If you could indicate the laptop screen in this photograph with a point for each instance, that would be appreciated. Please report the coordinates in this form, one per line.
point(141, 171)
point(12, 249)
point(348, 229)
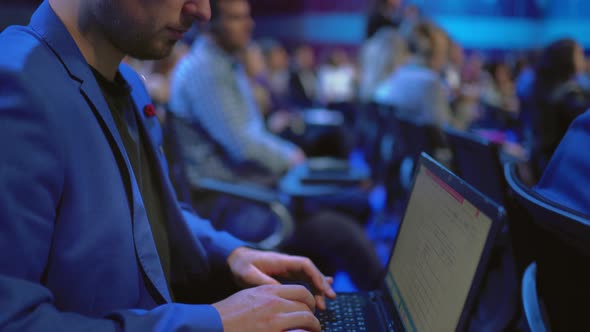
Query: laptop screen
point(436, 255)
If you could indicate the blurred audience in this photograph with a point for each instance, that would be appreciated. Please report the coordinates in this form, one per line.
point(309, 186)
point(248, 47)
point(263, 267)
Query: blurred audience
point(583, 78)
point(277, 63)
point(524, 84)
point(416, 89)
point(255, 67)
point(337, 79)
point(221, 101)
point(380, 55)
point(499, 91)
point(222, 136)
point(279, 118)
point(499, 102)
point(452, 71)
point(303, 78)
point(559, 97)
point(243, 115)
point(464, 100)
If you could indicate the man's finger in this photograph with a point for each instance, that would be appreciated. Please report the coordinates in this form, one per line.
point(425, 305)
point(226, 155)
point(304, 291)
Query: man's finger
point(255, 277)
point(317, 278)
point(320, 302)
point(303, 320)
point(297, 293)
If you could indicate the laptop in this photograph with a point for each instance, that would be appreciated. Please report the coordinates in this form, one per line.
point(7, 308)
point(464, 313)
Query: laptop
point(436, 265)
point(332, 171)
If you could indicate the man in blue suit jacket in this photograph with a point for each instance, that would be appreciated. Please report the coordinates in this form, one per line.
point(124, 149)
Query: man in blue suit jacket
point(78, 251)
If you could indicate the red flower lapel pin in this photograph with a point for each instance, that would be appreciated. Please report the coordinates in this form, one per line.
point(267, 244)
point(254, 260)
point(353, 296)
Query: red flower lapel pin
point(149, 110)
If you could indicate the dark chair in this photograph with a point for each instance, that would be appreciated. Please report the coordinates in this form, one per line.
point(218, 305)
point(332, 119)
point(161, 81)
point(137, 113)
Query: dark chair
point(477, 161)
point(368, 134)
point(531, 302)
point(253, 194)
point(412, 138)
point(383, 147)
point(418, 137)
point(557, 239)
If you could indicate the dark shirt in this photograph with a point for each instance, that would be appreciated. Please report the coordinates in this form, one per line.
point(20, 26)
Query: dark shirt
point(118, 97)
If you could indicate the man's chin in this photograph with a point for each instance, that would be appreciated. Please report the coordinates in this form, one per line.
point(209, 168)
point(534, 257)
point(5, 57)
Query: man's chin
point(154, 53)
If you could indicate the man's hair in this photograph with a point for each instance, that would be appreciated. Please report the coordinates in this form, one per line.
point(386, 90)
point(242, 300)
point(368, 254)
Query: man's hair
point(556, 64)
point(215, 11)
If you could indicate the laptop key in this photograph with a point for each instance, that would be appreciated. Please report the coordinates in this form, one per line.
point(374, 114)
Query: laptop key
point(344, 314)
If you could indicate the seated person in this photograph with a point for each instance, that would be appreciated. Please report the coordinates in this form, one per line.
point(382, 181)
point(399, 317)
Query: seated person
point(379, 56)
point(91, 235)
point(281, 116)
point(336, 80)
point(416, 89)
point(222, 136)
point(557, 98)
point(566, 182)
point(498, 99)
point(303, 78)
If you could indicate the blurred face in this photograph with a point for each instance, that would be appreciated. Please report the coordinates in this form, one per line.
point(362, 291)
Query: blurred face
point(441, 51)
point(145, 29)
point(502, 75)
point(456, 55)
point(278, 59)
point(579, 60)
point(305, 57)
point(236, 25)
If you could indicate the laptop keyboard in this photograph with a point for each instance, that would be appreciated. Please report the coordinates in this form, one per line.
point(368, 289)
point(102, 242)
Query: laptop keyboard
point(344, 314)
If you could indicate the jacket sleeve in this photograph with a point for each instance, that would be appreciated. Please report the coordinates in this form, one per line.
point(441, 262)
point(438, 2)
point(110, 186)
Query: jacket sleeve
point(32, 182)
point(219, 245)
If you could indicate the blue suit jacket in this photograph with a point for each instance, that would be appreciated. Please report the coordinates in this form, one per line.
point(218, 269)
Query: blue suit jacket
point(566, 179)
point(76, 249)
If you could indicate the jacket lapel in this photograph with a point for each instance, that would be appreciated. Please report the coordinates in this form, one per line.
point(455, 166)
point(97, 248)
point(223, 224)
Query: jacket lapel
point(48, 25)
point(184, 241)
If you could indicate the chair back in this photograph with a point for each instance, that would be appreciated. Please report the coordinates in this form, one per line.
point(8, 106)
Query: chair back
point(378, 133)
point(418, 137)
point(477, 161)
point(557, 238)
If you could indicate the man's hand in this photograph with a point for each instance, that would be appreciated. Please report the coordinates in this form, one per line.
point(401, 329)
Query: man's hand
point(297, 157)
point(255, 268)
point(273, 308)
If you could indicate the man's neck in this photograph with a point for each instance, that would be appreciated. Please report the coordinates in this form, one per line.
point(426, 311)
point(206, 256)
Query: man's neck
point(94, 46)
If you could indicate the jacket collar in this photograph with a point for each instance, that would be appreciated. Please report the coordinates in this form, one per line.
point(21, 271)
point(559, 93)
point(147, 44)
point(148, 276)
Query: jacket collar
point(48, 25)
